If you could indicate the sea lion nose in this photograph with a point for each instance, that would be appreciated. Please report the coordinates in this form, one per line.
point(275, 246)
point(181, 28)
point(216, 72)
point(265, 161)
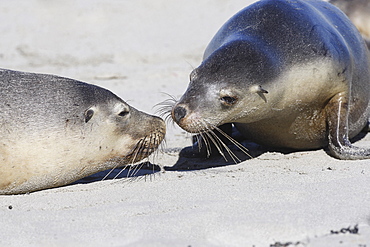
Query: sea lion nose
point(178, 113)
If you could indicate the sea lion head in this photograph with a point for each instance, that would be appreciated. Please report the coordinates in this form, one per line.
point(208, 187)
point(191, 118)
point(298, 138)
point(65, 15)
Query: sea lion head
point(122, 133)
point(230, 85)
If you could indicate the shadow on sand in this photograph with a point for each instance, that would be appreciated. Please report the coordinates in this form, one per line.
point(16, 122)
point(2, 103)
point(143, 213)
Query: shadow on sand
point(139, 170)
point(186, 163)
point(192, 163)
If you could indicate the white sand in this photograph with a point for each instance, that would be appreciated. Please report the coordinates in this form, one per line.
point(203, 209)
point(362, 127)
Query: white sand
point(139, 49)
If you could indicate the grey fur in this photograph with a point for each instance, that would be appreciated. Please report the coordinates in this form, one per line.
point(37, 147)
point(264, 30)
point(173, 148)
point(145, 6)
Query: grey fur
point(56, 130)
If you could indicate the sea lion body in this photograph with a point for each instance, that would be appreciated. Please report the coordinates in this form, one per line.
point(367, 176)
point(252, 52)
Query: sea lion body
point(288, 74)
point(56, 130)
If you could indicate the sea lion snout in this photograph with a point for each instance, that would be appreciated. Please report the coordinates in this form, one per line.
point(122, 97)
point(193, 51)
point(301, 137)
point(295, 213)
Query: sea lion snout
point(188, 119)
point(178, 113)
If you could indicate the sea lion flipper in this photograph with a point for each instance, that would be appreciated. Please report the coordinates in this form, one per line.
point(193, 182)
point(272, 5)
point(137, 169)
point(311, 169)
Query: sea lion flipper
point(337, 120)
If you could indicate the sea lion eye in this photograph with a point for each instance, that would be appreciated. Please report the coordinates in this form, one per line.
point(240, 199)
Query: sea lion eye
point(228, 100)
point(123, 113)
point(88, 115)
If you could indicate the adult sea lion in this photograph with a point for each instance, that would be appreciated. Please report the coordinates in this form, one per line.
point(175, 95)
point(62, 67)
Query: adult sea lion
point(288, 74)
point(56, 130)
point(358, 12)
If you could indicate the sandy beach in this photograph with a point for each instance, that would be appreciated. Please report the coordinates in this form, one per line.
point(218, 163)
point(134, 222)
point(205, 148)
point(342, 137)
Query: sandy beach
point(143, 50)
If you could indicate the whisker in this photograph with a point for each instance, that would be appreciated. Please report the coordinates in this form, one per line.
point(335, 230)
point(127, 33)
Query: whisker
point(228, 150)
point(199, 140)
point(167, 102)
point(154, 157)
point(133, 169)
point(163, 146)
point(215, 141)
point(208, 139)
point(124, 167)
point(165, 108)
point(192, 67)
point(136, 169)
point(135, 153)
point(168, 119)
point(233, 141)
point(148, 147)
point(207, 136)
point(110, 171)
point(156, 151)
point(203, 137)
point(151, 145)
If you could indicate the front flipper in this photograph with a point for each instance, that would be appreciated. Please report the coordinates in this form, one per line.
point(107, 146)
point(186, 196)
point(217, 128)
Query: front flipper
point(337, 112)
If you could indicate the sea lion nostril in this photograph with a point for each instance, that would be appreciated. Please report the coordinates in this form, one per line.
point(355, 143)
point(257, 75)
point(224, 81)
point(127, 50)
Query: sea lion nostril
point(179, 113)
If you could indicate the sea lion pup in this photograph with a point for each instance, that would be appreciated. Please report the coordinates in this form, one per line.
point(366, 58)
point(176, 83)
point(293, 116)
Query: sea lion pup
point(358, 12)
point(55, 131)
point(287, 74)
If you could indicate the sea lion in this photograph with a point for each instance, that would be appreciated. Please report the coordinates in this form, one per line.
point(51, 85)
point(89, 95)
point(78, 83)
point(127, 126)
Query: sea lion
point(358, 12)
point(56, 130)
point(287, 74)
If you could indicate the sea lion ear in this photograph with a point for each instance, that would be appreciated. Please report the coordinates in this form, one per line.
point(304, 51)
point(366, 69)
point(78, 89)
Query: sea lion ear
point(88, 115)
point(257, 89)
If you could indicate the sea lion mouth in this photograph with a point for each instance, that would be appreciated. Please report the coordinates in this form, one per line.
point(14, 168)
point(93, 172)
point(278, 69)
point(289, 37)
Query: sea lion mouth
point(144, 147)
point(194, 123)
point(198, 127)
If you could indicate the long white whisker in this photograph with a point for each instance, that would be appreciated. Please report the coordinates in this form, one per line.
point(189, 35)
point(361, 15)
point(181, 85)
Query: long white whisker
point(206, 137)
point(110, 171)
point(137, 169)
point(228, 150)
point(133, 169)
point(135, 154)
point(148, 146)
point(215, 141)
point(165, 108)
point(233, 141)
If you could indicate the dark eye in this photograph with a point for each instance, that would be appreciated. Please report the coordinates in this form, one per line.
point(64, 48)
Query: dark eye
point(88, 115)
point(228, 100)
point(123, 113)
